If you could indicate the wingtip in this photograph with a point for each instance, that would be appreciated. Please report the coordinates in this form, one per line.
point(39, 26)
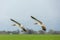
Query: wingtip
point(11, 19)
point(32, 17)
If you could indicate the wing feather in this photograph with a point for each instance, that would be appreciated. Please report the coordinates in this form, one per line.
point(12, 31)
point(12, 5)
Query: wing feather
point(15, 21)
point(36, 20)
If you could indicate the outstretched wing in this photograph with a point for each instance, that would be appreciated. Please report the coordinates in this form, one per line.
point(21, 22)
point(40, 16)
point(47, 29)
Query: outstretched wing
point(20, 25)
point(15, 21)
point(40, 23)
point(36, 20)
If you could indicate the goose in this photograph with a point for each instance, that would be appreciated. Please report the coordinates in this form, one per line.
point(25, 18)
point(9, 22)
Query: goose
point(39, 23)
point(18, 24)
point(25, 31)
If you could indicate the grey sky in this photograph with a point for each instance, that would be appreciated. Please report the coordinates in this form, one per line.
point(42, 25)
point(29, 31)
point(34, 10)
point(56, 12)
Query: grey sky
point(48, 11)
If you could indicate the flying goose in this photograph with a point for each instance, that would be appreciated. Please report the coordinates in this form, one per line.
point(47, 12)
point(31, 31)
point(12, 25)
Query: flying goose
point(18, 24)
point(39, 23)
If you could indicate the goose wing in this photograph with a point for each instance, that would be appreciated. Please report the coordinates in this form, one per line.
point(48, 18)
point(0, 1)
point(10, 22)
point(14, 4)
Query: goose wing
point(36, 20)
point(15, 21)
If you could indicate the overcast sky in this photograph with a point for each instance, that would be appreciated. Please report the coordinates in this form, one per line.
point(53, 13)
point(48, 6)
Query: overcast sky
point(48, 11)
